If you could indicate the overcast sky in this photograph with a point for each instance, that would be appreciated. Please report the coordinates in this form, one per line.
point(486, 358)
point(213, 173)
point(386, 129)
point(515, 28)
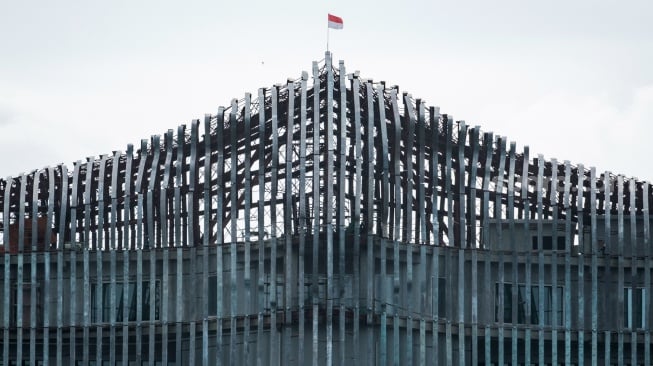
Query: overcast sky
point(572, 79)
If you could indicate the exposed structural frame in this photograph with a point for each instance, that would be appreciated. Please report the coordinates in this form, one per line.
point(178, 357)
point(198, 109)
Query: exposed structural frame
point(345, 161)
point(190, 188)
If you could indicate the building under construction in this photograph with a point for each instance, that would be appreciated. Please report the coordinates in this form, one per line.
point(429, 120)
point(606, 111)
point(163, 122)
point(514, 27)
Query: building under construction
point(330, 220)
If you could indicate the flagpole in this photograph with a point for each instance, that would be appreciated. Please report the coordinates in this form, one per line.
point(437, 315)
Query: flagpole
point(327, 38)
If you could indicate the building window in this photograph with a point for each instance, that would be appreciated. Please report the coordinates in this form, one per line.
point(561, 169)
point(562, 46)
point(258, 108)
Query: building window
point(547, 242)
point(130, 314)
point(634, 305)
point(319, 293)
point(212, 296)
point(546, 313)
point(273, 299)
point(442, 299)
point(27, 302)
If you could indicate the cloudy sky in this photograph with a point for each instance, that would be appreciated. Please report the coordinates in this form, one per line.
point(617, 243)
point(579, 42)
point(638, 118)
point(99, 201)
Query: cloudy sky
point(572, 79)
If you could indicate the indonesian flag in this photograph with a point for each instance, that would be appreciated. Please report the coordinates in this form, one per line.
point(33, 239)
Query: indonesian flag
point(335, 22)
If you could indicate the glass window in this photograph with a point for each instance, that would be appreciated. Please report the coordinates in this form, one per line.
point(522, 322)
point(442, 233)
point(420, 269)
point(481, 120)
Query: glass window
point(547, 242)
point(546, 313)
point(273, 299)
point(212, 295)
point(121, 290)
point(27, 303)
point(634, 301)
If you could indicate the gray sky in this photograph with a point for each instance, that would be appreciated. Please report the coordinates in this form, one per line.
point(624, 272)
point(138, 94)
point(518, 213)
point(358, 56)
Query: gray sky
point(571, 79)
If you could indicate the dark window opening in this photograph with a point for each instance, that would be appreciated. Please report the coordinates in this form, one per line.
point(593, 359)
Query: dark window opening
point(547, 242)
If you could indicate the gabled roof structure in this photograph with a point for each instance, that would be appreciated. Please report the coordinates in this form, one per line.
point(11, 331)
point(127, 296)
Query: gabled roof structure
point(324, 151)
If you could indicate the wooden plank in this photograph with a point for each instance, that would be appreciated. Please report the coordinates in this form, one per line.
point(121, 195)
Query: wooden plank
point(566, 296)
point(526, 214)
point(275, 343)
point(249, 299)
point(7, 271)
point(301, 267)
point(233, 249)
point(396, 235)
point(219, 239)
point(594, 267)
point(368, 194)
point(358, 186)
point(341, 186)
point(328, 206)
point(553, 198)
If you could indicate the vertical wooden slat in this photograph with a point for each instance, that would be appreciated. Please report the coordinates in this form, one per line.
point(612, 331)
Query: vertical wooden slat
point(139, 254)
point(555, 207)
point(33, 279)
point(247, 120)
point(20, 280)
point(358, 154)
point(151, 243)
point(647, 272)
point(488, 285)
point(32, 275)
point(127, 244)
point(342, 179)
point(594, 269)
point(261, 224)
point(87, 245)
point(500, 146)
point(473, 243)
point(462, 242)
point(316, 210)
point(408, 212)
point(434, 122)
point(328, 206)
point(396, 235)
point(634, 284)
point(580, 204)
point(74, 202)
point(514, 266)
point(368, 193)
point(301, 269)
point(193, 197)
point(62, 229)
point(421, 202)
point(567, 312)
point(164, 219)
point(609, 248)
point(381, 222)
point(113, 235)
point(219, 242)
point(47, 310)
point(178, 240)
point(233, 249)
point(448, 176)
point(274, 305)
point(448, 162)
point(7, 271)
point(526, 214)
point(540, 258)
point(289, 277)
point(621, 322)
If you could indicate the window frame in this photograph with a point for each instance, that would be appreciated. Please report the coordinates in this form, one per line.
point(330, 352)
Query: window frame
point(38, 302)
point(628, 307)
point(103, 315)
point(545, 315)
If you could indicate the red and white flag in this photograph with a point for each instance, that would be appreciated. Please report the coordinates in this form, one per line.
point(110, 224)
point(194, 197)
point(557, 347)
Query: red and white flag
point(335, 22)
